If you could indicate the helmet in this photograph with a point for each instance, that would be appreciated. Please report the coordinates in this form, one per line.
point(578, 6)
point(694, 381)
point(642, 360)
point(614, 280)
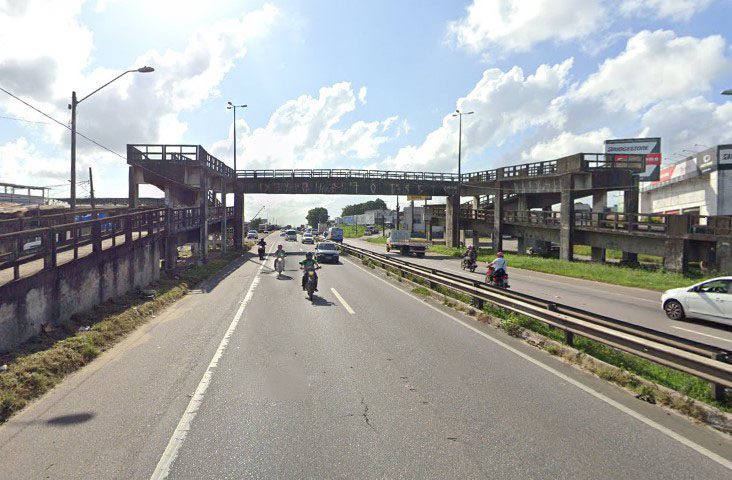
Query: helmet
point(279, 247)
point(499, 254)
point(309, 255)
point(470, 247)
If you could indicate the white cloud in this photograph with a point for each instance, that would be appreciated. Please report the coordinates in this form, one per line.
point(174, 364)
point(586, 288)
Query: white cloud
point(671, 9)
point(516, 25)
point(505, 104)
point(655, 66)
point(305, 132)
point(567, 143)
point(362, 95)
point(682, 124)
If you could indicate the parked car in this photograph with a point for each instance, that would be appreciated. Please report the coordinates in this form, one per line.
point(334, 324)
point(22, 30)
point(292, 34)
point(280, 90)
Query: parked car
point(327, 252)
point(307, 238)
point(291, 235)
point(544, 249)
point(709, 300)
point(368, 231)
point(252, 235)
point(283, 233)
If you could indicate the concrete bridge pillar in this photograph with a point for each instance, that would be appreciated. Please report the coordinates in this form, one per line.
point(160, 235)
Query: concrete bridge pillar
point(134, 188)
point(238, 217)
point(476, 239)
point(452, 212)
point(566, 219)
point(476, 202)
point(599, 202)
point(676, 256)
point(203, 203)
point(498, 219)
point(224, 219)
point(630, 204)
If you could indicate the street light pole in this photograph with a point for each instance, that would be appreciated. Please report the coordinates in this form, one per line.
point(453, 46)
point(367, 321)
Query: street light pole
point(727, 92)
point(233, 107)
point(460, 114)
point(72, 107)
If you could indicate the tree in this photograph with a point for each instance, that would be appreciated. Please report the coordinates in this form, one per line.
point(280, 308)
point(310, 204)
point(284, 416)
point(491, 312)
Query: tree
point(361, 208)
point(256, 223)
point(317, 215)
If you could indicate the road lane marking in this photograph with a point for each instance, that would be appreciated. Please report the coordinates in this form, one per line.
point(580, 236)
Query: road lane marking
point(343, 302)
point(705, 334)
point(184, 425)
point(628, 411)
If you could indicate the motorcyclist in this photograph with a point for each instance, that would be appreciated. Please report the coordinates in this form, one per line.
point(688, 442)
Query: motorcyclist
point(280, 255)
point(499, 266)
point(309, 264)
point(262, 243)
point(472, 254)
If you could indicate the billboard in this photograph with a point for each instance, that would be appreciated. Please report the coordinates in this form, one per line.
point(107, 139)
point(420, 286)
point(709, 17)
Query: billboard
point(650, 147)
point(725, 157)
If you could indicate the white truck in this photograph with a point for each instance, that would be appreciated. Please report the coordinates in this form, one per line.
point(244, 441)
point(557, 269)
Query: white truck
point(401, 240)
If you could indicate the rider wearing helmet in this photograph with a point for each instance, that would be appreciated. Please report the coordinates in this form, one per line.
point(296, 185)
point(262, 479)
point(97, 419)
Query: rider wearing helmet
point(280, 255)
point(499, 265)
point(309, 264)
point(471, 253)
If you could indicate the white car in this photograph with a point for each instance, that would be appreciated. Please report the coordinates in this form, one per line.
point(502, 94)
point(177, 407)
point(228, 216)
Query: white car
point(709, 300)
point(291, 235)
point(252, 235)
point(307, 238)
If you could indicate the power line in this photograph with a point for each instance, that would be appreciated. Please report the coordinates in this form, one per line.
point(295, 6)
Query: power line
point(24, 120)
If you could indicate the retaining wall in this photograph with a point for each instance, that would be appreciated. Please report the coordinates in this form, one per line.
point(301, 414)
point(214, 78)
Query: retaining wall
point(53, 296)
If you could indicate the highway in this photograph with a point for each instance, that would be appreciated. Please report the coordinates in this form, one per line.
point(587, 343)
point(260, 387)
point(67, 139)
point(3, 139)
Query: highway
point(245, 378)
point(636, 305)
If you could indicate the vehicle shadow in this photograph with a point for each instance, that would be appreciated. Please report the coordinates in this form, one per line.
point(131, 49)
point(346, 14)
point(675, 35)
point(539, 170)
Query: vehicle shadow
point(321, 302)
point(283, 277)
point(709, 324)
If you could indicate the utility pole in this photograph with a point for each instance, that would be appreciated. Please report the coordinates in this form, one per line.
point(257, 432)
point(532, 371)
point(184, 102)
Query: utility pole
point(396, 225)
point(74, 102)
point(411, 223)
point(459, 114)
point(91, 189)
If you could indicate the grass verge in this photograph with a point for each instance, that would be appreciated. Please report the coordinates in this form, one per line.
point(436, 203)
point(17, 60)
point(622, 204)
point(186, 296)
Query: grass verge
point(381, 240)
point(659, 280)
point(41, 363)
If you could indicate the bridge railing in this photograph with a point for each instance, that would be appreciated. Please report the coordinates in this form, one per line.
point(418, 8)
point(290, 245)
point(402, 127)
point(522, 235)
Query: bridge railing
point(346, 174)
point(25, 246)
point(178, 153)
point(602, 161)
point(40, 221)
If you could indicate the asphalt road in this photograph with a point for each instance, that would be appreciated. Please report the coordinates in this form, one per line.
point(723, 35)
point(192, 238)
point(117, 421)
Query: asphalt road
point(636, 305)
point(248, 379)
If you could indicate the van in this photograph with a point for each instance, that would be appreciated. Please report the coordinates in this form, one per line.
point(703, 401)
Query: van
point(335, 234)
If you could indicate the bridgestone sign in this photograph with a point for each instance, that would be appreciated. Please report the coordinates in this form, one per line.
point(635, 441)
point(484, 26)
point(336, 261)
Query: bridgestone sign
point(650, 147)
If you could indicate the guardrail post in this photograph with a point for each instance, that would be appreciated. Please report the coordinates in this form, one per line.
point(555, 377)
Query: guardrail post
point(718, 391)
point(477, 302)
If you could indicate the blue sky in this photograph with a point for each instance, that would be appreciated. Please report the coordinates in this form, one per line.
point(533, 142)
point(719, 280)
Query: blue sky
point(359, 84)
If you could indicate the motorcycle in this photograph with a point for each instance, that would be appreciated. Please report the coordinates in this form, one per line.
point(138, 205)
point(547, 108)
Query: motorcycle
point(261, 252)
point(279, 265)
point(468, 264)
point(311, 282)
point(498, 281)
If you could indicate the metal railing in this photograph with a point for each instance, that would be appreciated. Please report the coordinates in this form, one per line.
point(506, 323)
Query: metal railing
point(346, 174)
point(25, 246)
point(178, 153)
point(40, 221)
point(695, 358)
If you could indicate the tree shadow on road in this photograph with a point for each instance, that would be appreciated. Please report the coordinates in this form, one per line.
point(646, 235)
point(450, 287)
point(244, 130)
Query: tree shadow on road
point(71, 419)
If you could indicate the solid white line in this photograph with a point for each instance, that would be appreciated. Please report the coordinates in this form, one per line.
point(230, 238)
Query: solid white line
point(705, 334)
point(184, 425)
point(666, 431)
point(343, 302)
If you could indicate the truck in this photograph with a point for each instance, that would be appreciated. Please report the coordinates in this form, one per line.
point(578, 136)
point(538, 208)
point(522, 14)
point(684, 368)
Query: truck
point(335, 234)
point(401, 241)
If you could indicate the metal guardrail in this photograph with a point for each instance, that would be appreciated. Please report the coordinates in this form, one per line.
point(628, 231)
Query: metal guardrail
point(695, 358)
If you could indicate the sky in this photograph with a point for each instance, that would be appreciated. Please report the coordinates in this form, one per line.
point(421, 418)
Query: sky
point(353, 84)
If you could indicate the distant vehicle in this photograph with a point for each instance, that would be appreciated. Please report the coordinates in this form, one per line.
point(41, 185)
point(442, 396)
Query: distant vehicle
point(291, 235)
point(368, 231)
point(327, 252)
point(335, 234)
point(709, 300)
point(401, 240)
point(319, 238)
point(252, 235)
point(283, 233)
point(307, 238)
point(544, 249)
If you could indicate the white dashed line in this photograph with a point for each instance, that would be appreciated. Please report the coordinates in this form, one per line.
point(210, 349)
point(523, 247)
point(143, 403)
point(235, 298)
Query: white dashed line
point(343, 302)
point(705, 334)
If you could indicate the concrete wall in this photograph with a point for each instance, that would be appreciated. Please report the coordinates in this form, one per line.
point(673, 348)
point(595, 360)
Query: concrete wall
point(53, 296)
point(699, 192)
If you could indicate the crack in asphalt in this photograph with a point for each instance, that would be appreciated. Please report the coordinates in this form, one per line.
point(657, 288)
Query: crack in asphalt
point(365, 414)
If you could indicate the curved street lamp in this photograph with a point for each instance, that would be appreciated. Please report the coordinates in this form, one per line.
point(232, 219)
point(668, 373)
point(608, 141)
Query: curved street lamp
point(727, 92)
point(72, 107)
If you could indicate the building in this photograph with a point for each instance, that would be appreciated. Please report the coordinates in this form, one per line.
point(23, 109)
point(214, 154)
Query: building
point(700, 184)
